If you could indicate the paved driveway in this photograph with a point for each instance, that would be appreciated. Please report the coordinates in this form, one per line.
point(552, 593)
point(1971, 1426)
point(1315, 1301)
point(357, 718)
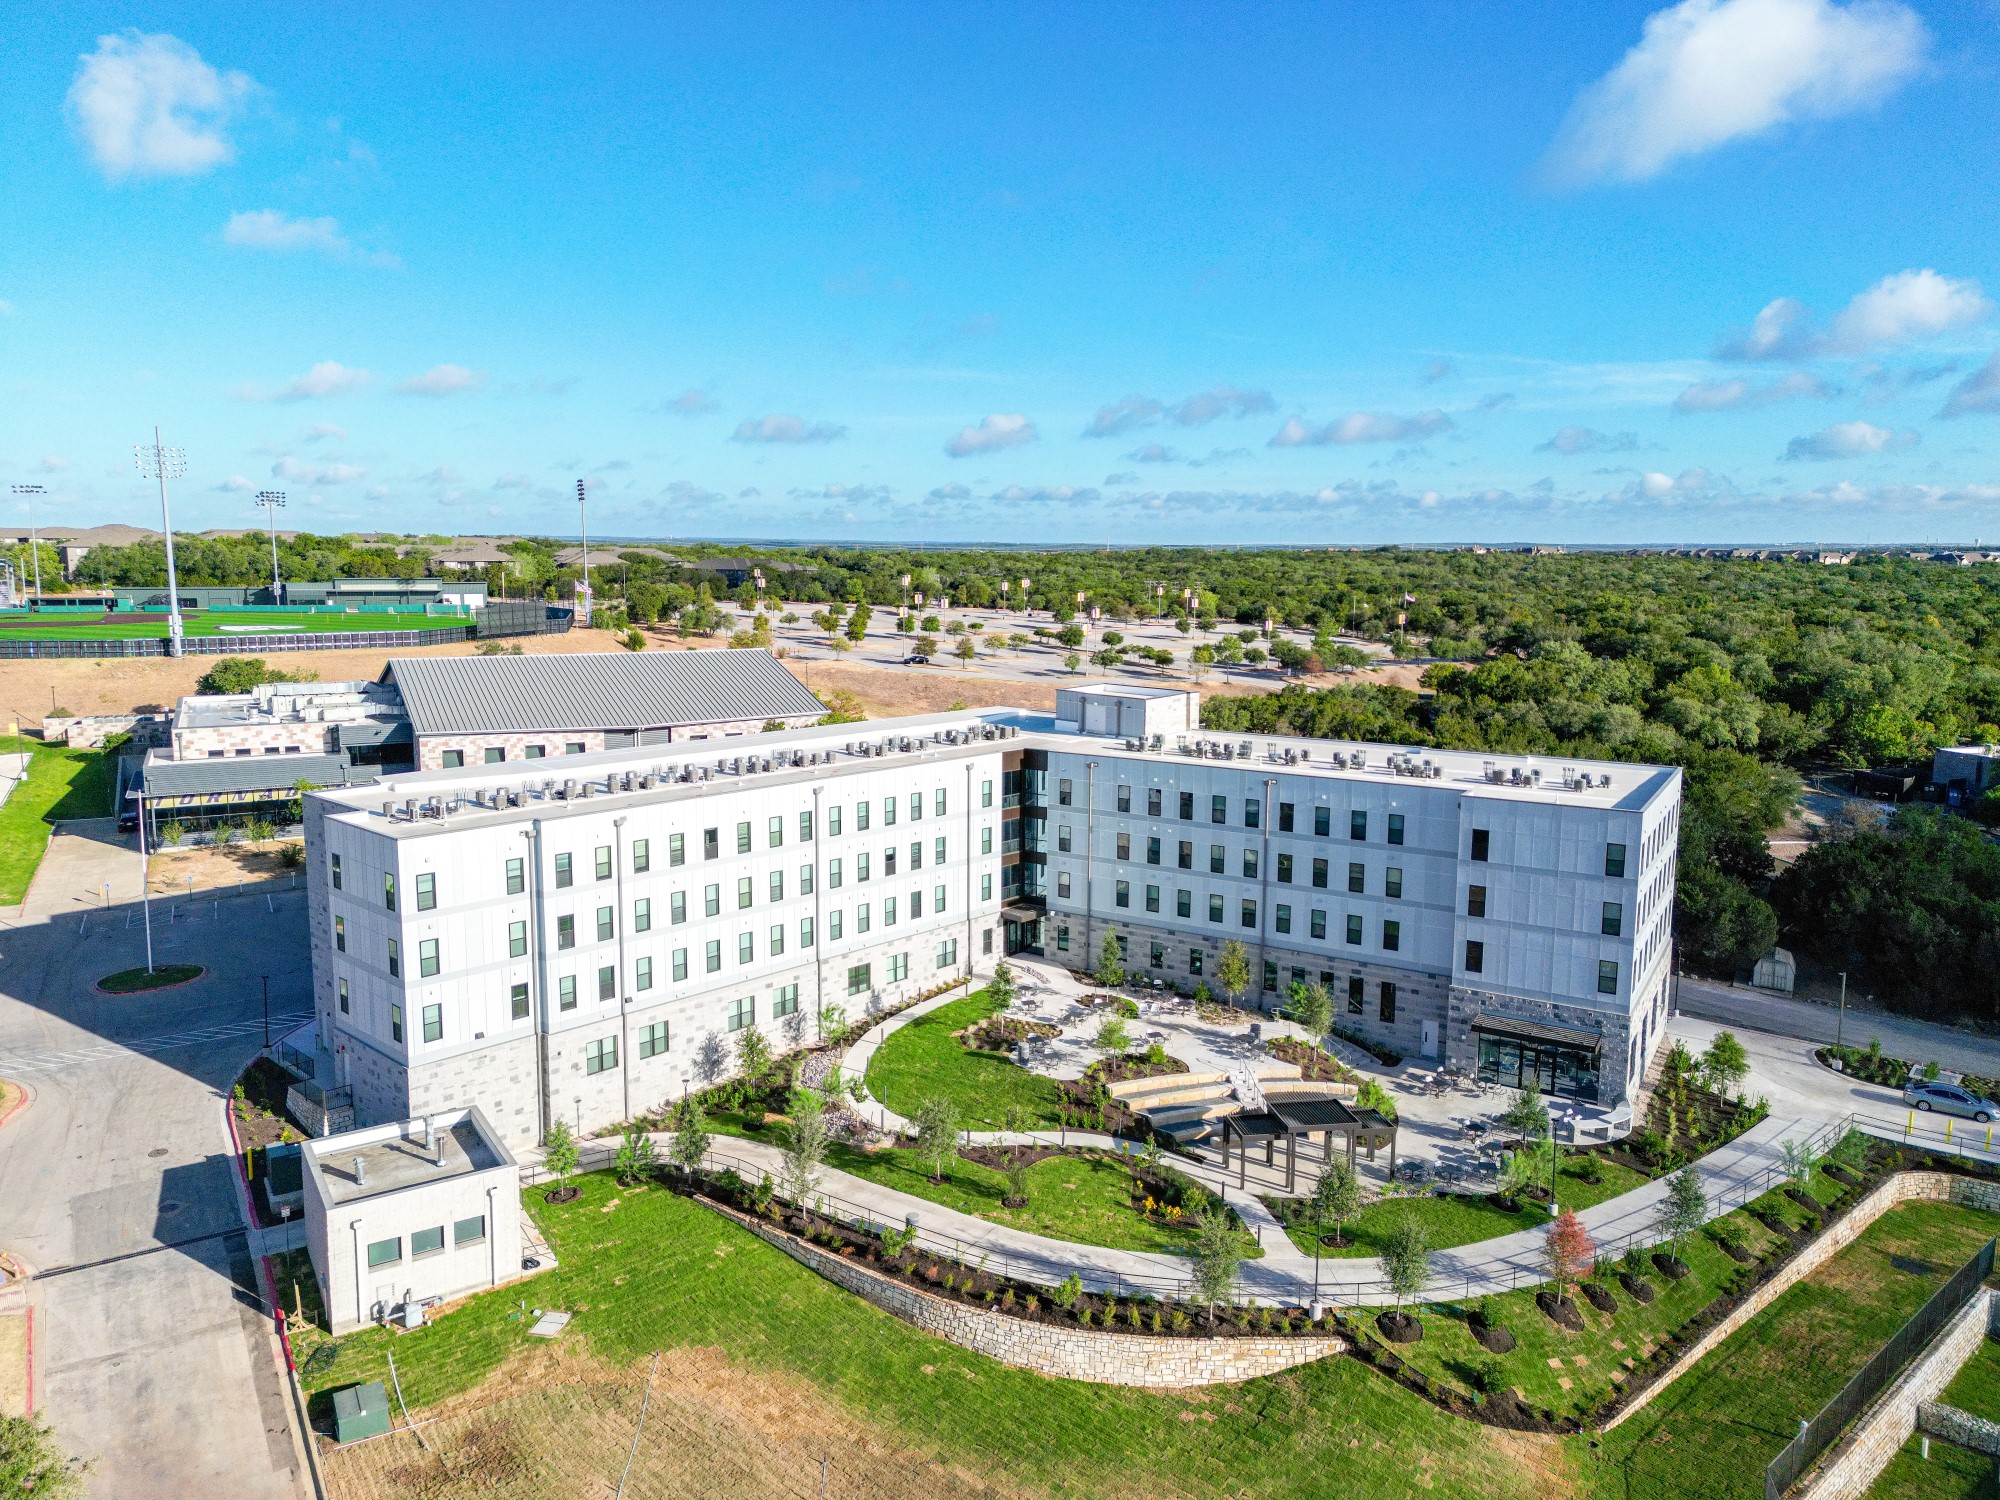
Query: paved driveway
point(152, 1356)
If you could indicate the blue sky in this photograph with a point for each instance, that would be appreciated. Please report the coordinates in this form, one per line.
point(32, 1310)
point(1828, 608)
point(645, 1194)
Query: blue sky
point(1593, 272)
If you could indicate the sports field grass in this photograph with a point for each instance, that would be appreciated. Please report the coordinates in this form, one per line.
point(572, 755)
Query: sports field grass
point(16, 625)
point(61, 783)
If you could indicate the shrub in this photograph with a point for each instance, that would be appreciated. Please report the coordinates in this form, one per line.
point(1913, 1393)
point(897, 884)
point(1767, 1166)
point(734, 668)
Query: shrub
point(172, 833)
point(292, 854)
point(1066, 1294)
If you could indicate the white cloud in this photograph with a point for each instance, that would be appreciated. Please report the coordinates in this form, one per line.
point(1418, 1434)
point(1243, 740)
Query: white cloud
point(1002, 429)
point(513, 482)
point(688, 404)
point(1124, 416)
point(1436, 370)
point(1571, 440)
point(327, 378)
point(268, 229)
point(149, 105)
point(1978, 393)
point(782, 427)
point(1153, 453)
point(235, 484)
point(290, 468)
point(1222, 401)
point(1730, 395)
point(950, 492)
point(321, 431)
point(443, 380)
point(1707, 72)
point(1362, 427)
point(54, 463)
point(1849, 440)
point(1901, 308)
point(1061, 494)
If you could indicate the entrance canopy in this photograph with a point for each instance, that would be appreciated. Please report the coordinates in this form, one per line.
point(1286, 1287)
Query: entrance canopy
point(1561, 1060)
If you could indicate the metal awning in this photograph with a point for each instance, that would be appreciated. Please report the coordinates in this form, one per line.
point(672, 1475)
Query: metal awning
point(1540, 1032)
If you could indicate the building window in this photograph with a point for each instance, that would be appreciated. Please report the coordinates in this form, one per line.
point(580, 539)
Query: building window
point(861, 810)
point(385, 1252)
point(1183, 903)
point(833, 925)
point(1392, 883)
point(1218, 859)
point(777, 941)
point(517, 998)
point(711, 900)
point(712, 956)
point(494, 755)
point(677, 907)
point(937, 900)
point(642, 974)
point(806, 826)
point(986, 888)
point(1062, 838)
point(1475, 956)
point(603, 862)
point(860, 979)
point(774, 833)
point(642, 856)
point(607, 982)
point(1482, 843)
point(1386, 996)
point(1187, 807)
point(453, 759)
point(937, 851)
point(1215, 908)
point(517, 877)
point(340, 933)
point(743, 837)
point(395, 1023)
point(395, 958)
point(1062, 885)
point(1613, 921)
point(888, 911)
point(677, 849)
point(433, 1023)
point(861, 867)
point(1249, 913)
point(389, 892)
point(833, 874)
point(1124, 846)
point(1252, 812)
point(600, 1056)
point(335, 866)
point(1614, 861)
point(564, 874)
point(1218, 809)
point(1249, 864)
point(746, 948)
point(1159, 955)
point(1323, 821)
point(1152, 802)
point(711, 843)
point(343, 997)
point(1607, 976)
point(1124, 798)
point(986, 841)
point(1475, 901)
point(1121, 894)
point(1185, 855)
point(606, 924)
point(565, 932)
point(566, 992)
point(1392, 936)
point(1284, 817)
point(1063, 793)
point(642, 914)
point(1318, 923)
point(427, 958)
point(1282, 919)
point(1357, 994)
point(1395, 828)
point(573, 747)
point(536, 752)
point(1195, 958)
point(1357, 825)
point(1152, 898)
point(777, 884)
point(805, 880)
point(1354, 928)
point(470, 1231)
point(1284, 869)
point(784, 1001)
point(985, 794)
point(899, 967)
point(1319, 874)
point(1152, 851)
point(1270, 976)
point(805, 932)
point(652, 1039)
point(1357, 879)
point(680, 965)
point(743, 892)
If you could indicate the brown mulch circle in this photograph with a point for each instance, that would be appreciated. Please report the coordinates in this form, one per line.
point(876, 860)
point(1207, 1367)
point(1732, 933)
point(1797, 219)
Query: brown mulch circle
point(1670, 1267)
point(1505, 1205)
point(1738, 1253)
point(1563, 1314)
point(1600, 1297)
point(1638, 1288)
point(1399, 1327)
point(562, 1195)
point(1492, 1337)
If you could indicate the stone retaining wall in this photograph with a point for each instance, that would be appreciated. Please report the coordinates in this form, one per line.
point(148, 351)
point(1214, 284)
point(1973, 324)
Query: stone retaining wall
point(1901, 1188)
point(1850, 1469)
point(1962, 1428)
point(1071, 1354)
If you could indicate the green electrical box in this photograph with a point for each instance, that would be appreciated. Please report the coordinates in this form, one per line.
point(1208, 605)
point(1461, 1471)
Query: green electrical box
point(360, 1411)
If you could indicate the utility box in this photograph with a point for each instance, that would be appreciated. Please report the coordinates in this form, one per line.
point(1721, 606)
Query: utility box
point(1775, 971)
point(360, 1411)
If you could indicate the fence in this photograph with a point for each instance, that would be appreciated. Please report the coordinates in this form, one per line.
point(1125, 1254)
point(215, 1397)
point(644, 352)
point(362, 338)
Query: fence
point(1818, 1434)
point(238, 645)
point(502, 617)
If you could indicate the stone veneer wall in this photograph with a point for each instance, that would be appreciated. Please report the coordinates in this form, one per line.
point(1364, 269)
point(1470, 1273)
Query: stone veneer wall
point(1901, 1188)
point(1850, 1469)
point(1961, 1428)
point(1070, 1354)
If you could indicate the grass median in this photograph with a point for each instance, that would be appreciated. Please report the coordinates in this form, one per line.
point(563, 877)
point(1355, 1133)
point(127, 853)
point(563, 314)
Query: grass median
point(61, 783)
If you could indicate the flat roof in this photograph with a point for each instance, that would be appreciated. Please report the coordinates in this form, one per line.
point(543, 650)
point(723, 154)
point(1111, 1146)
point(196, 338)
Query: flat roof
point(400, 1160)
point(288, 703)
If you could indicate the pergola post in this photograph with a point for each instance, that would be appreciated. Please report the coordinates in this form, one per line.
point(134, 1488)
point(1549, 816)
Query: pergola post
point(1291, 1161)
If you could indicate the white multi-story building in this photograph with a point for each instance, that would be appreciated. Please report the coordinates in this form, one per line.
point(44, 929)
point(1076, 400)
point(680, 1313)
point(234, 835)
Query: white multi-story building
point(592, 945)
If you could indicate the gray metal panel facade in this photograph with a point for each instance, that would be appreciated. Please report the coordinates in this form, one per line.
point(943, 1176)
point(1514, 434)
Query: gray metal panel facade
point(605, 691)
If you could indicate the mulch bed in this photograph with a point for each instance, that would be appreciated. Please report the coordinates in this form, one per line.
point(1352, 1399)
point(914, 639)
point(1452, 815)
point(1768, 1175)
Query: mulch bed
point(1840, 1174)
point(1806, 1201)
point(562, 1195)
point(1741, 1254)
point(1564, 1314)
point(1600, 1297)
point(1638, 1288)
point(1491, 1337)
point(1670, 1267)
point(1313, 1063)
point(1001, 1033)
point(1400, 1327)
point(1133, 1065)
point(1000, 1158)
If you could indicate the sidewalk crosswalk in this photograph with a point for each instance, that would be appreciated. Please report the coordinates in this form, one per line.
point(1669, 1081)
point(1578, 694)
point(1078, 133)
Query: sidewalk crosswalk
point(16, 1064)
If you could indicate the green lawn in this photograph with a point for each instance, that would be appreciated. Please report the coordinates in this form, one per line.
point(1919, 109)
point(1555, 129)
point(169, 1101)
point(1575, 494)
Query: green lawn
point(1452, 1219)
point(1976, 1387)
point(15, 625)
point(1711, 1433)
point(1948, 1474)
point(924, 1059)
point(661, 1273)
point(61, 783)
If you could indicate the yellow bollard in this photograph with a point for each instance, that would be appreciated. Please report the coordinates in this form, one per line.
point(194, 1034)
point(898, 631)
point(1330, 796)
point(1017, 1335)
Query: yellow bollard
point(1910, 1124)
point(1947, 1127)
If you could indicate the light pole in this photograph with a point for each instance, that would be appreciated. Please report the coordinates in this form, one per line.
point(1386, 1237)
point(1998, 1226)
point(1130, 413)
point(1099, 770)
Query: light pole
point(164, 463)
point(1840, 1026)
point(273, 501)
point(583, 533)
point(146, 880)
point(28, 492)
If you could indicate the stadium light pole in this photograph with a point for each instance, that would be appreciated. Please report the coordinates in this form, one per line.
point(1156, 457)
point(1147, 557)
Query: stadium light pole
point(28, 493)
point(583, 533)
point(273, 501)
point(165, 463)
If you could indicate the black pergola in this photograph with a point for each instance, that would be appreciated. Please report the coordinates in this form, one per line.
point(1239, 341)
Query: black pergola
point(1289, 1119)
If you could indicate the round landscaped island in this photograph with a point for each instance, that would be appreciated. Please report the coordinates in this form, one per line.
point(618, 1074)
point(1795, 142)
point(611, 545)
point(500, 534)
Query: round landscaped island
point(138, 981)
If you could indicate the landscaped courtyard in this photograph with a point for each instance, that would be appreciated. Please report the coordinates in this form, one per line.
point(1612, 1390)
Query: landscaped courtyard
point(925, 1059)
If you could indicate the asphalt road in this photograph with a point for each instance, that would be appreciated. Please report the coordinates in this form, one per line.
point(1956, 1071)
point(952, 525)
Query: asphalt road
point(1780, 1015)
point(154, 1358)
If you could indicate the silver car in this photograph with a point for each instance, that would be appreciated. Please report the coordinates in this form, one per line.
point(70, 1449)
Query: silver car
point(1950, 1099)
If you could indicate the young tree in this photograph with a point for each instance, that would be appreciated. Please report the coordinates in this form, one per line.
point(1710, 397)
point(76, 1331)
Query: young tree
point(1527, 1117)
point(1312, 1010)
point(1567, 1251)
point(1800, 1160)
point(937, 1134)
point(1406, 1260)
point(1232, 970)
point(806, 1141)
point(1216, 1257)
point(753, 1055)
point(1684, 1210)
point(1111, 960)
point(833, 1024)
point(559, 1154)
point(1072, 661)
point(634, 1162)
point(1112, 1040)
point(1336, 1196)
point(1725, 1064)
point(1003, 986)
point(691, 1138)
